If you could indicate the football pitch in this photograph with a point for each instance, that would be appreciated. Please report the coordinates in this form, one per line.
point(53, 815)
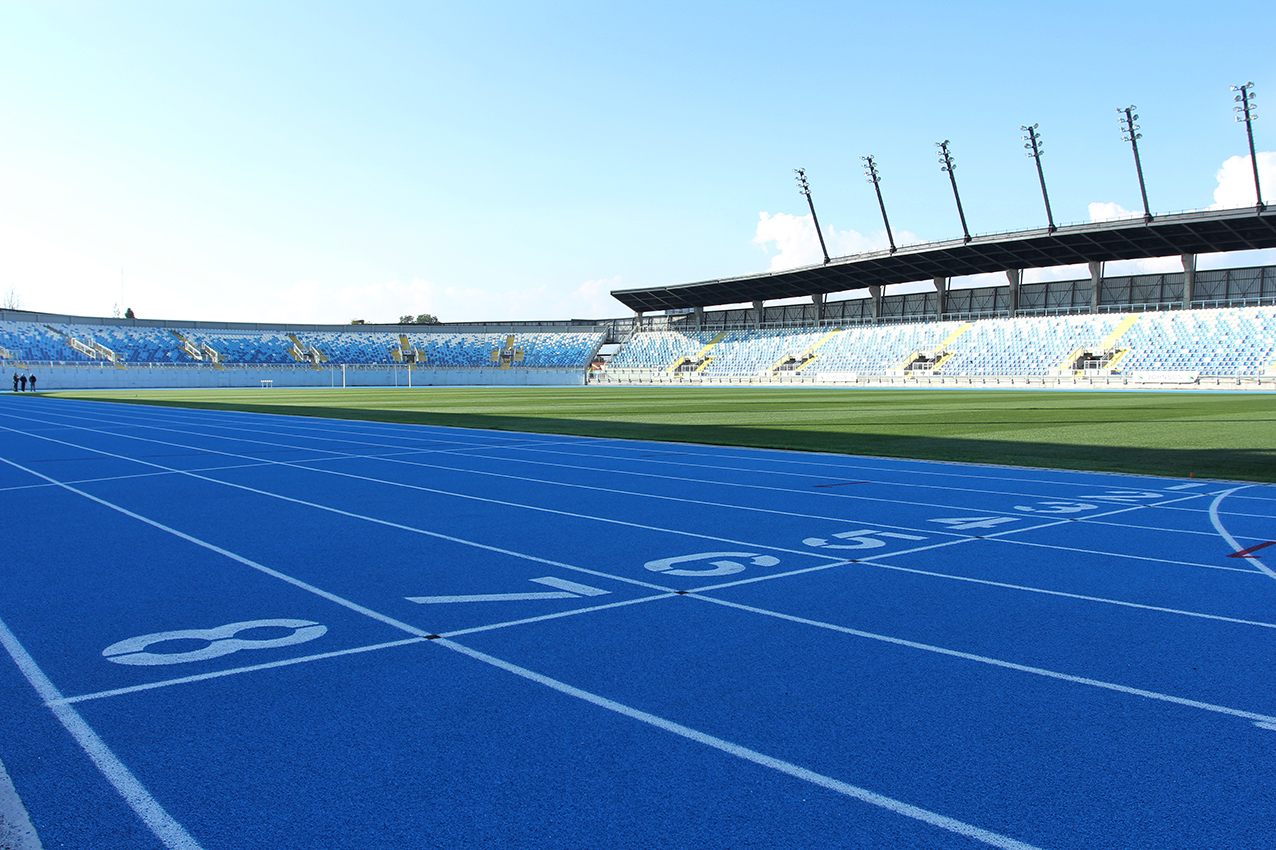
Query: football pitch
point(1183, 434)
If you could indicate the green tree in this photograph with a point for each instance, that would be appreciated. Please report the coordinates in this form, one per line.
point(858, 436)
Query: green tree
point(428, 319)
point(128, 314)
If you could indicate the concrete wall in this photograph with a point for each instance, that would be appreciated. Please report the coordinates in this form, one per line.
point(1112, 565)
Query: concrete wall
point(104, 376)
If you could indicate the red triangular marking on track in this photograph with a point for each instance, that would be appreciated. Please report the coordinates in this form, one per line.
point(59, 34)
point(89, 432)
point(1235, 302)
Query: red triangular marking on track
point(1248, 553)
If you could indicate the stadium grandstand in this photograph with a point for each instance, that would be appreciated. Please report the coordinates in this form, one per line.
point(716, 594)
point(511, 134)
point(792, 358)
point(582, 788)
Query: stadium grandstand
point(1182, 329)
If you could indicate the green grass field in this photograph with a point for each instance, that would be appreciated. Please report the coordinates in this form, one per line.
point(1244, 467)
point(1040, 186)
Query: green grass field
point(1209, 435)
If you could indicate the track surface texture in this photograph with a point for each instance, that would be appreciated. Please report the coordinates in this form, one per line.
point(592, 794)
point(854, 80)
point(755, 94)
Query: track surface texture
point(234, 630)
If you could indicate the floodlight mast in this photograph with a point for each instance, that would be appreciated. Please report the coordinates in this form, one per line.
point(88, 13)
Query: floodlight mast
point(1130, 133)
point(1032, 142)
point(805, 188)
point(1247, 111)
point(946, 164)
point(870, 171)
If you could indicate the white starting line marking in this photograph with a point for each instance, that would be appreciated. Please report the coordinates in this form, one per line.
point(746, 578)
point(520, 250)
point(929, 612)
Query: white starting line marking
point(566, 590)
point(1184, 486)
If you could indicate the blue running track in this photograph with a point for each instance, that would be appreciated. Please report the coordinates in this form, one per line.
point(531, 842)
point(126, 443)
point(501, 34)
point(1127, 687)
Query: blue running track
point(231, 630)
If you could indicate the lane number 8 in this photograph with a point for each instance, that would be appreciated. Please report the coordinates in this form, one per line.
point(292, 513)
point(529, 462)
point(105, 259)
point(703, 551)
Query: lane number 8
point(221, 640)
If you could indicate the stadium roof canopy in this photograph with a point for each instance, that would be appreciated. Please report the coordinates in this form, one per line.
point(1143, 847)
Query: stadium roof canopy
point(1205, 232)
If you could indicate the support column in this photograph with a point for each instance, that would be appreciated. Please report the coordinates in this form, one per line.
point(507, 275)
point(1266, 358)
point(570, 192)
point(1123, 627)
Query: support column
point(1014, 277)
point(1096, 282)
point(757, 312)
point(875, 295)
point(1189, 279)
point(818, 301)
point(699, 311)
point(941, 297)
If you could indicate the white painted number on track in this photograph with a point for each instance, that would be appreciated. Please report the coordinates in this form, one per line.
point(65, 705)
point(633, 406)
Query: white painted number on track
point(220, 641)
point(1057, 507)
point(719, 562)
point(566, 590)
point(1128, 496)
point(863, 538)
point(965, 523)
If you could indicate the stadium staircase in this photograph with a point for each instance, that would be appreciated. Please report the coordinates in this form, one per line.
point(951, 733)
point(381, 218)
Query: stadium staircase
point(1103, 358)
point(698, 362)
point(406, 352)
point(507, 355)
point(191, 349)
point(303, 353)
point(794, 363)
point(933, 360)
point(89, 347)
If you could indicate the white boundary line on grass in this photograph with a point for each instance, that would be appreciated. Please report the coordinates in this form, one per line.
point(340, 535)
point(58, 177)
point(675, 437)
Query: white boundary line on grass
point(175, 836)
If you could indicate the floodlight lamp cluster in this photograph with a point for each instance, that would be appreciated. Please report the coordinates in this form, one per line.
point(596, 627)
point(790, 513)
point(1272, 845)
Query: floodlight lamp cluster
point(1032, 139)
point(1246, 110)
point(870, 169)
point(1129, 129)
point(803, 186)
point(945, 157)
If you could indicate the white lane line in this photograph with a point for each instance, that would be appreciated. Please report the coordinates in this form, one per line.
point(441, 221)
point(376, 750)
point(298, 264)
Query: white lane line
point(1123, 509)
point(1168, 561)
point(213, 547)
point(390, 483)
point(996, 662)
point(570, 586)
point(491, 597)
point(1231, 541)
point(145, 422)
point(326, 508)
point(1185, 486)
point(16, 831)
point(171, 833)
point(796, 771)
point(1008, 586)
point(606, 470)
point(557, 615)
point(1157, 528)
point(884, 638)
point(1229, 513)
point(699, 502)
point(55, 701)
point(331, 424)
point(234, 671)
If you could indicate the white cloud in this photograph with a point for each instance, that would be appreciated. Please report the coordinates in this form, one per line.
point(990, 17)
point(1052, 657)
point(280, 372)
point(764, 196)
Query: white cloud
point(1109, 211)
point(1236, 181)
point(791, 240)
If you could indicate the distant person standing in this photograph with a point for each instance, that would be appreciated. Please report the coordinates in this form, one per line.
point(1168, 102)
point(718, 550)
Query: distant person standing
point(31, 381)
point(22, 382)
point(15, 382)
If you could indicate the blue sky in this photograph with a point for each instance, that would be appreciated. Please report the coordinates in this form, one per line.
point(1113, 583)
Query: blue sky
point(316, 161)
